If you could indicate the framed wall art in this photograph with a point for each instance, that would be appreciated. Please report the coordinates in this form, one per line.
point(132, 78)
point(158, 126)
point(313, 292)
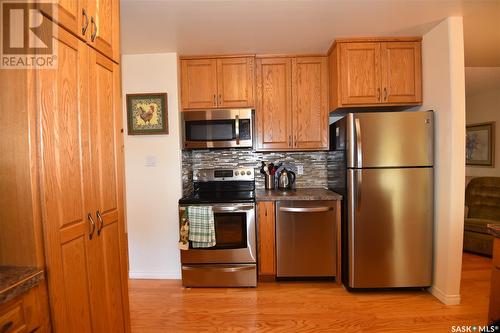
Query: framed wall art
point(480, 144)
point(147, 114)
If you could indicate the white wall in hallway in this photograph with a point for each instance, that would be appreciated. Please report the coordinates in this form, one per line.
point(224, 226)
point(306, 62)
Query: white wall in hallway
point(152, 191)
point(482, 105)
point(444, 92)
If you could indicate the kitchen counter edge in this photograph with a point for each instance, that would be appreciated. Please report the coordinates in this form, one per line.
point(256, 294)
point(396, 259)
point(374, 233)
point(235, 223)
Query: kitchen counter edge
point(297, 194)
point(16, 280)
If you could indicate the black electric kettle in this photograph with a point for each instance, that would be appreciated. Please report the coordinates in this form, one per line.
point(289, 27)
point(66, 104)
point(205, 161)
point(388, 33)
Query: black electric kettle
point(286, 179)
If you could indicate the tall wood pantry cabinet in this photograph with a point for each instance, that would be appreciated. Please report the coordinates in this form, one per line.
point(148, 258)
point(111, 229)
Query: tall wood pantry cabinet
point(65, 134)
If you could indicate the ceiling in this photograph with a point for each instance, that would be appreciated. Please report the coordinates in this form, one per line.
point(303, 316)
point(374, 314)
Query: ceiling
point(298, 26)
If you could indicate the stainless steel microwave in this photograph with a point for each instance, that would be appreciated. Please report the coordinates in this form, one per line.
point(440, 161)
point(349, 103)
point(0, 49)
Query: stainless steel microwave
point(217, 128)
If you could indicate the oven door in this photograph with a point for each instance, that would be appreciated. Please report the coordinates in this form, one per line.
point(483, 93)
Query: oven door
point(234, 234)
point(217, 128)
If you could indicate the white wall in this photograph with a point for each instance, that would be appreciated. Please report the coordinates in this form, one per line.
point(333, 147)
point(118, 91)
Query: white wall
point(483, 105)
point(444, 92)
point(153, 191)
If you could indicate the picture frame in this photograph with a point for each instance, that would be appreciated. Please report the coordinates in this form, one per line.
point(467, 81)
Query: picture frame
point(480, 144)
point(147, 113)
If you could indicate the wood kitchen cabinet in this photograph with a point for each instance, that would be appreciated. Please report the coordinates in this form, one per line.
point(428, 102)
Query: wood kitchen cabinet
point(81, 172)
point(95, 21)
point(266, 239)
point(208, 83)
point(375, 72)
point(494, 309)
point(292, 103)
point(26, 313)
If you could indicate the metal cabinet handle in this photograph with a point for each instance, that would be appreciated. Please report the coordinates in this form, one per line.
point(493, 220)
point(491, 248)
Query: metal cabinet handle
point(220, 99)
point(92, 226)
point(295, 140)
point(101, 222)
point(385, 94)
point(378, 94)
point(305, 209)
point(237, 129)
point(5, 327)
point(86, 24)
point(94, 32)
point(215, 100)
point(289, 141)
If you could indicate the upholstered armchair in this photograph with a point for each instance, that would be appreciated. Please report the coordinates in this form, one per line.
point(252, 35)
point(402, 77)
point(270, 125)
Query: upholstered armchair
point(482, 207)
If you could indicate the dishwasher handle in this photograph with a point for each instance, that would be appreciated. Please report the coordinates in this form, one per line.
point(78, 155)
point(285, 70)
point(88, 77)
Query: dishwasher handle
point(305, 209)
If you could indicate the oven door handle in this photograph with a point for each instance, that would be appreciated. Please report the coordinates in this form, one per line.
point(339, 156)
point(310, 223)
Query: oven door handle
point(227, 209)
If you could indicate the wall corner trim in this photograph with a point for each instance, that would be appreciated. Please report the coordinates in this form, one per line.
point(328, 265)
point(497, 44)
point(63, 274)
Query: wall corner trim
point(444, 298)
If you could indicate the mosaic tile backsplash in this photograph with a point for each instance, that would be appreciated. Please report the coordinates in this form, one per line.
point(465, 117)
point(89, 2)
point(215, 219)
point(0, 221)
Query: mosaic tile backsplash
point(314, 164)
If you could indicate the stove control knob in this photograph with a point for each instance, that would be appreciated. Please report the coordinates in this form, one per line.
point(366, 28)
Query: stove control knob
point(248, 172)
point(236, 173)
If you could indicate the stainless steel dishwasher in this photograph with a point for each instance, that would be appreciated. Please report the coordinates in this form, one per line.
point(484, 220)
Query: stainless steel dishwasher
point(306, 239)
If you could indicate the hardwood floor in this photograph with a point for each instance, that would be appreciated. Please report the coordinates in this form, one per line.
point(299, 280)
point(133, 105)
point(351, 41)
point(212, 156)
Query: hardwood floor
point(164, 306)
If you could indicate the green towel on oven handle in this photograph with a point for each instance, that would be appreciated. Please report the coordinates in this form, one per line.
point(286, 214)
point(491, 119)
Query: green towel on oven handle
point(201, 226)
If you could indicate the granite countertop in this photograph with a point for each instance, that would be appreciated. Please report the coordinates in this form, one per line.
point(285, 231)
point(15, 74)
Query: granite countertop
point(298, 194)
point(494, 229)
point(16, 280)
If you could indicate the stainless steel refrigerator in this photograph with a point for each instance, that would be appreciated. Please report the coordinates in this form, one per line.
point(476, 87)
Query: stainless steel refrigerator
point(382, 162)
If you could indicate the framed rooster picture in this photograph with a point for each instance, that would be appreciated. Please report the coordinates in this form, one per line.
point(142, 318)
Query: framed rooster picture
point(147, 114)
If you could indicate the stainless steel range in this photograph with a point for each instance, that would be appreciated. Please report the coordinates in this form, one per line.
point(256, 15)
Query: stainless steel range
point(232, 261)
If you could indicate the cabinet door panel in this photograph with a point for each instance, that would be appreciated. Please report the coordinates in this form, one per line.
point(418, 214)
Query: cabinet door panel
point(105, 15)
point(199, 83)
point(65, 183)
point(235, 81)
point(401, 72)
point(273, 113)
point(69, 15)
point(108, 191)
point(359, 72)
point(310, 99)
point(266, 238)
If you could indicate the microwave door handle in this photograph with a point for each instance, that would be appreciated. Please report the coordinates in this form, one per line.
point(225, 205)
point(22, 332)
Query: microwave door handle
point(237, 129)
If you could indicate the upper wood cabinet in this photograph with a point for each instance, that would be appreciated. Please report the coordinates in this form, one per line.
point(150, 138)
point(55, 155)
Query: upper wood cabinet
point(375, 71)
point(292, 103)
point(97, 22)
point(310, 103)
point(217, 83)
point(199, 83)
point(274, 104)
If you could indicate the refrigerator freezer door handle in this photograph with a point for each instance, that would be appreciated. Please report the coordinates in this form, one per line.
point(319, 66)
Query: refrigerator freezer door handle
point(359, 150)
point(359, 179)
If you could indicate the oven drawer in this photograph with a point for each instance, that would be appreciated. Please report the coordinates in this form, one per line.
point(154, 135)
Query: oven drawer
point(219, 275)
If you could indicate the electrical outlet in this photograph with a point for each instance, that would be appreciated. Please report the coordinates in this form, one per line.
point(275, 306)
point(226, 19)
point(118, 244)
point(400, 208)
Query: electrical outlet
point(300, 169)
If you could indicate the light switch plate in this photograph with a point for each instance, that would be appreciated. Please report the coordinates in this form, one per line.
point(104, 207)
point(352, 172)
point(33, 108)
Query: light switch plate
point(150, 161)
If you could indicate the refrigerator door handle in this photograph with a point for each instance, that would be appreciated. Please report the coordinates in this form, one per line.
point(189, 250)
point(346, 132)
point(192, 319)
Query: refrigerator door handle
point(351, 220)
point(359, 180)
point(359, 150)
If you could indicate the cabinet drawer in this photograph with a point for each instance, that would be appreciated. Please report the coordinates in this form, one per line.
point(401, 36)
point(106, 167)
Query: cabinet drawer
point(12, 319)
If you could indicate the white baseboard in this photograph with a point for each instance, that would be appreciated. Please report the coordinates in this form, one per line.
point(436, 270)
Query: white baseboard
point(445, 299)
point(172, 275)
